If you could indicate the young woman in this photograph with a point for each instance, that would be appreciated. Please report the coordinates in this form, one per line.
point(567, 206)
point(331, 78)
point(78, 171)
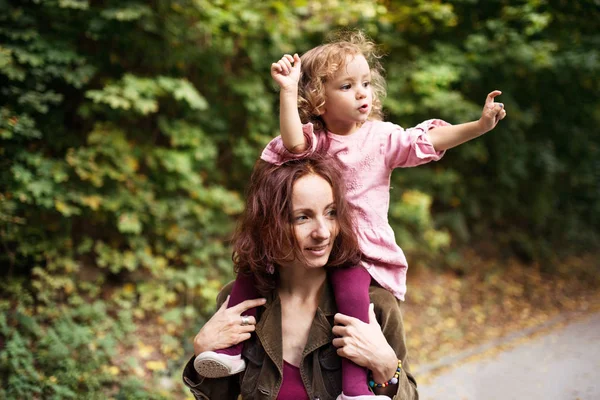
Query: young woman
point(296, 223)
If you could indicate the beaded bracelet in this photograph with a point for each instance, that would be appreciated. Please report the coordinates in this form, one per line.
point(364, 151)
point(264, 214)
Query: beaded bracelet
point(392, 381)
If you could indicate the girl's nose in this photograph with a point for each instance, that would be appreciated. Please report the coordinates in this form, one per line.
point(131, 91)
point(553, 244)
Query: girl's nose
point(361, 93)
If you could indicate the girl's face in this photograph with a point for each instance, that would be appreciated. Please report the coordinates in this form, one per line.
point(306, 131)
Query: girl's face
point(314, 221)
point(348, 96)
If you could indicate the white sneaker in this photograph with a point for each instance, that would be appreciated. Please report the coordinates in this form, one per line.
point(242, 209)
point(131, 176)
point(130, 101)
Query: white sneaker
point(214, 365)
point(362, 397)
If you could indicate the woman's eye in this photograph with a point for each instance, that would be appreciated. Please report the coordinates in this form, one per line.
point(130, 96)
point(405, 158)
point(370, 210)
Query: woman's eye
point(300, 218)
point(332, 213)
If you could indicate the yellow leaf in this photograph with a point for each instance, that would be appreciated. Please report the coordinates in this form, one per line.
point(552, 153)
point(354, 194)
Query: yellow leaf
point(128, 288)
point(156, 365)
point(450, 323)
point(69, 287)
point(132, 163)
point(61, 207)
point(113, 370)
point(92, 202)
point(144, 350)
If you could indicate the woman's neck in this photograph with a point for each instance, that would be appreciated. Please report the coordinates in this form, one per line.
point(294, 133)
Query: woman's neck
point(299, 293)
point(301, 283)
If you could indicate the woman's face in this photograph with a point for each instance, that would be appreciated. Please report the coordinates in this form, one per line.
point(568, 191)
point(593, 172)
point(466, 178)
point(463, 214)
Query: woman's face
point(314, 220)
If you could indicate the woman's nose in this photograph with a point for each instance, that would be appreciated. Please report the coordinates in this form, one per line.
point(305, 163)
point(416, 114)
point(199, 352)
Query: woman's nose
point(321, 231)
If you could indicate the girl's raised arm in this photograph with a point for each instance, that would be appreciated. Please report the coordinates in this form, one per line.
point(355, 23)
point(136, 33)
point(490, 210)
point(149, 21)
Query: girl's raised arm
point(446, 137)
point(286, 72)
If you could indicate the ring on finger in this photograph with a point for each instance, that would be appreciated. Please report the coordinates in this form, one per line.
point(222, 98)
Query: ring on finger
point(245, 320)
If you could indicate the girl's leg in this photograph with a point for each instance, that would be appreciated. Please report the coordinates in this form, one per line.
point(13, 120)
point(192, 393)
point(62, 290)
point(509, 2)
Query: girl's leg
point(244, 288)
point(226, 362)
point(351, 289)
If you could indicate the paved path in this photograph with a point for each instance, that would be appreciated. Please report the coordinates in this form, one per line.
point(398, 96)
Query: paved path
point(561, 365)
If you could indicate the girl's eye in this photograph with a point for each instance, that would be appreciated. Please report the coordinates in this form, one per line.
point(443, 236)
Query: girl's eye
point(345, 87)
point(366, 84)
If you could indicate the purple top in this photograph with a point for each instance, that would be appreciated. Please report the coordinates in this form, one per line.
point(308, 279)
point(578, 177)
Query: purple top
point(292, 387)
point(369, 155)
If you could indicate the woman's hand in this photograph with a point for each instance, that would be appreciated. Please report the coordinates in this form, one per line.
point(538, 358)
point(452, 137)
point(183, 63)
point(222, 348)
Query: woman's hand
point(286, 71)
point(492, 112)
point(365, 345)
point(227, 327)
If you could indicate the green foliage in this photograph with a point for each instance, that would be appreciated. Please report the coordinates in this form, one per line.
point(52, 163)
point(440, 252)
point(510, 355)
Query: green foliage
point(128, 132)
point(58, 353)
point(531, 183)
point(414, 227)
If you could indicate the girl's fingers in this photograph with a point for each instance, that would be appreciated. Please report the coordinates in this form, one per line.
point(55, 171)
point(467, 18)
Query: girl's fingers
point(288, 64)
point(489, 100)
point(285, 69)
point(500, 115)
point(492, 95)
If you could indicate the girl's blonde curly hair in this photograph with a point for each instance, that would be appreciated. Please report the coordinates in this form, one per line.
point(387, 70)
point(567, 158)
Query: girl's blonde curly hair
point(322, 62)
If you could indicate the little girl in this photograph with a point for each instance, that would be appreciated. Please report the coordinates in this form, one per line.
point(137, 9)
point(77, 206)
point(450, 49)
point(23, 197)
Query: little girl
point(331, 101)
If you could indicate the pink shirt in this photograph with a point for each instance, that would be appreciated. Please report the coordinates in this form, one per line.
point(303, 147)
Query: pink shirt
point(369, 155)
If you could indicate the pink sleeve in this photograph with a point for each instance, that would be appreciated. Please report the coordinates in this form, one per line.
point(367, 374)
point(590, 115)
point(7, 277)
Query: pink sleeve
point(276, 153)
point(411, 147)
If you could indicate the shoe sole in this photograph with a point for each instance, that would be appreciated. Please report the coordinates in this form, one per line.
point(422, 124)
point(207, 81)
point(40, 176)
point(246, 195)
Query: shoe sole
point(212, 369)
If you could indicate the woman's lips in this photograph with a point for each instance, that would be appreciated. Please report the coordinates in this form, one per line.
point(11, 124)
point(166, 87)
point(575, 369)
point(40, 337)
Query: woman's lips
point(318, 250)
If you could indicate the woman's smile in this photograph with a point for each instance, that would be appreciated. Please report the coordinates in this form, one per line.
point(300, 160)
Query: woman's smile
point(318, 251)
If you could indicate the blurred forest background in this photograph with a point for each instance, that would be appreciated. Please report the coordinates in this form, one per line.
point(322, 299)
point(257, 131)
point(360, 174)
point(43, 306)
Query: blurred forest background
point(128, 131)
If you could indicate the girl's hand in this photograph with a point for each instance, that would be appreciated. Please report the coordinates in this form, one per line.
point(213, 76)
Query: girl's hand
point(224, 329)
point(365, 345)
point(492, 112)
point(286, 72)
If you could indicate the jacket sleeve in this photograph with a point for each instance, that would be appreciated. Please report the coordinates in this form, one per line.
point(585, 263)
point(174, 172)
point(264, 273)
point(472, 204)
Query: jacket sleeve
point(387, 310)
point(227, 388)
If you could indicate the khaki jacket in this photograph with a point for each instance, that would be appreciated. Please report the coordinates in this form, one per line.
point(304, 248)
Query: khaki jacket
point(320, 367)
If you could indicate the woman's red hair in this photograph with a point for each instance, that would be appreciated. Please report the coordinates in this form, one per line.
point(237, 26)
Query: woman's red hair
point(264, 236)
